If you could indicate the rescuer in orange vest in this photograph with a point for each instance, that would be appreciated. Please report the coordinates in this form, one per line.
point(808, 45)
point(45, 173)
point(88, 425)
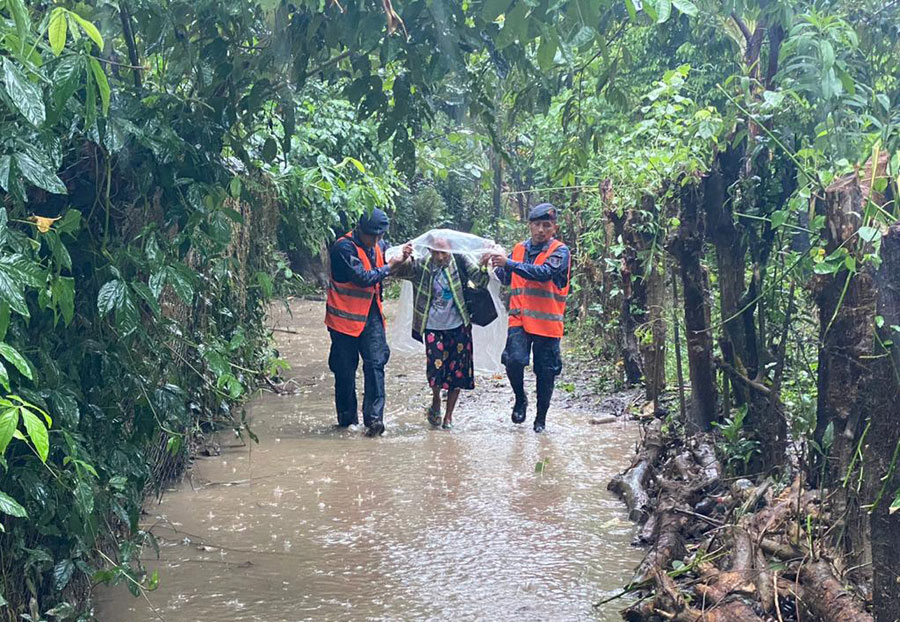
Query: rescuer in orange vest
point(537, 272)
point(355, 320)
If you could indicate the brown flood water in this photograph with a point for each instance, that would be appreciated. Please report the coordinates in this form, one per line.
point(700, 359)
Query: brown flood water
point(317, 523)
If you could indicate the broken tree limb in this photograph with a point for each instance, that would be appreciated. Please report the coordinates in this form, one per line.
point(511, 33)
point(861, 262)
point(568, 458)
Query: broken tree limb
point(705, 454)
point(631, 485)
point(686, 466)
point(782, 550)
point(825, 596)
point(648, 532)
point(724, 599)
point(669, 542)
point(604, 420)
point(765, 582)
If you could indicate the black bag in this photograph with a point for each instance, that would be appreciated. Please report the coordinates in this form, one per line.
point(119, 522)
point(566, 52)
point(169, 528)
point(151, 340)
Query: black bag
point(479, 302)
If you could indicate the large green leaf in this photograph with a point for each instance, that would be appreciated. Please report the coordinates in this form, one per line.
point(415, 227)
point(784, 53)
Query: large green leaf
point(546, 51)
point(144, 292)
point(11, 293)
point(5, 163)
point(37, 432)
point(24, 95)
point(89, 29)
point(9, 421)
point(127, 316)
point(63, 290)
point(632, 10)
point(663, 10)
point(686, 6)
point(10, 506)
point(827, 52)
point(515, 25)
point(23, 270)
point(39, 174)
point(156, 282)
point(269, 150)
point(70, 222)
point(110, 296)
point(588, 12)
point(84, 498)
point(66, 80)
point(58, 249)
point(57, 30)
point(19, 362)
point(180, 283)
point(62, 574)
point(4, 319)
point(23, 22)
point(102, 84)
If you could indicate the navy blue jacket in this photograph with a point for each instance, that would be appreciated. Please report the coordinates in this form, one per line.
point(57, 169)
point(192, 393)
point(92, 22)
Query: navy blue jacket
point(346, 266)
point(556, 267)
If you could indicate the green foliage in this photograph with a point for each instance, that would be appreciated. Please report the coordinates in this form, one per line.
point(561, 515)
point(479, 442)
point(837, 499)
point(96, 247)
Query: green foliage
point(145, 198)
point(737, 449)
point(124, 314)
point(418, 211)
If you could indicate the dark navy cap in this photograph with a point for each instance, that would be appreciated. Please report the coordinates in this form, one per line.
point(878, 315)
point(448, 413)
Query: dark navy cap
point(544, 211)
point(374, 223)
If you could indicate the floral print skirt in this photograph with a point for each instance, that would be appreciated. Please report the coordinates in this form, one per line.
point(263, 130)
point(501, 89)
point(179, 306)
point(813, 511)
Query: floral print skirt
point(449, 355)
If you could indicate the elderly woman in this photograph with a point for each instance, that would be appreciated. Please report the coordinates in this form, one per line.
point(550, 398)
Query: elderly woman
point(441, 320)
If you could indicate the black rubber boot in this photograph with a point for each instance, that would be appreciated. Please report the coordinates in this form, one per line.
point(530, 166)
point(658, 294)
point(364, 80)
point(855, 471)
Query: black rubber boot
point(544, 395)
point(375, 429)
point(516, 377)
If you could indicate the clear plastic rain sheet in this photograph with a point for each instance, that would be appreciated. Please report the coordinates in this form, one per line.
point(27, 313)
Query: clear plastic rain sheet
point(488, 341)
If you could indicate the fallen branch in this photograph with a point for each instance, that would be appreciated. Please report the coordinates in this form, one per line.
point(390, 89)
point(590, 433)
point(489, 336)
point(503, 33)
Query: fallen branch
point(669, 542)
point(825, 596)
point(631, 485)
point(705, 454)
point(286, 330)
point(604, 420)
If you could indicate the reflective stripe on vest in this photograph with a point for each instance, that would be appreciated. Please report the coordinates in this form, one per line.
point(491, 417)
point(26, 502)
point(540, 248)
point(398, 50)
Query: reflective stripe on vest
point(537, 306)
point(348, 305)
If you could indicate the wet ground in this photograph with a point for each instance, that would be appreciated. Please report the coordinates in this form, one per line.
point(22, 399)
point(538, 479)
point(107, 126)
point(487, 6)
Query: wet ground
point(318, 523)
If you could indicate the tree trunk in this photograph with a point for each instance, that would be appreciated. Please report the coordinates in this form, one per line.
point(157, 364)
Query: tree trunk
point(653, 350)
point(634, 293)
point(846, 304)
point(884, 435)
point(497, 185)
point(687, 246)
point(732, 264)
point(740, 345)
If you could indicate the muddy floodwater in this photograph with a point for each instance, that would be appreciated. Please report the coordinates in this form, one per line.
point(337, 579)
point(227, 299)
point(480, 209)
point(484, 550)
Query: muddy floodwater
point(319, 523)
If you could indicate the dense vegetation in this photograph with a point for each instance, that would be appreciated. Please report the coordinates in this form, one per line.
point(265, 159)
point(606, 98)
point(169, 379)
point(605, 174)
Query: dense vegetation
point(169, 167)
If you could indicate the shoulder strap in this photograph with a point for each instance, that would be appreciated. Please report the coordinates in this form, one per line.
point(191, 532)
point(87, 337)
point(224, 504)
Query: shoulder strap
point(461, 269)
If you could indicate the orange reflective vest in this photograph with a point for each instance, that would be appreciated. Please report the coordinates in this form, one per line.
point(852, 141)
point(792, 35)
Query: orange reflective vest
point(347, 306)
point(539, 307)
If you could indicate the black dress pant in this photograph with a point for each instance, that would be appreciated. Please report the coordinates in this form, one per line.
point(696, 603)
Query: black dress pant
point(343, 361)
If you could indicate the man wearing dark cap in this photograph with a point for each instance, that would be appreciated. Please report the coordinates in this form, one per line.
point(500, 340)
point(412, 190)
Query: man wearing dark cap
point(355, 320)
point(537, 272)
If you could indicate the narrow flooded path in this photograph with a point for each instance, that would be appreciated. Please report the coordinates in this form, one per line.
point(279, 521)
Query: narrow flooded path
point(318, 523)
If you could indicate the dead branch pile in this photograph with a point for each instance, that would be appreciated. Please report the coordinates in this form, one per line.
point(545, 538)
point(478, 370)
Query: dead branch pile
point(726, 550)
